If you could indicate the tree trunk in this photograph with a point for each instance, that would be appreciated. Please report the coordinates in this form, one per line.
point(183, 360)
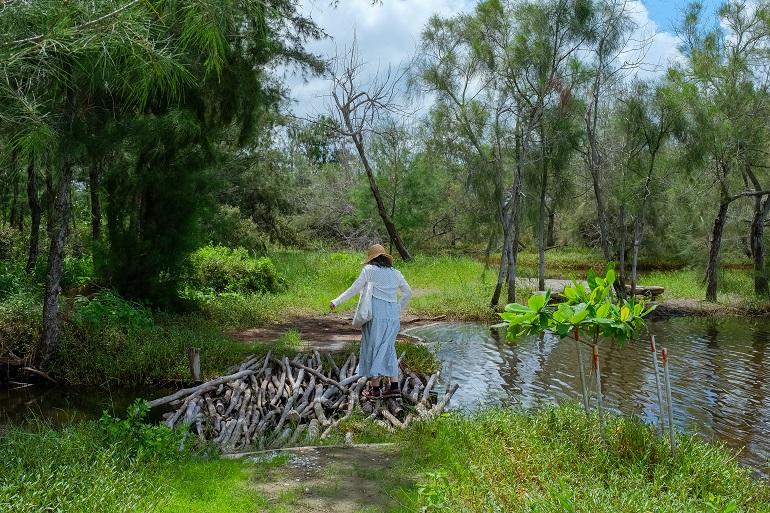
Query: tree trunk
point(34, 214)
point(758, 247)
point(514, 241)
point(601, 212)
point(386, 219)
point(550, 234)
point(513, 258)
point(541, 222)
point(58, 227)
point(715, 245)
point(504, 261)
point(96, 206)
point(621, 285)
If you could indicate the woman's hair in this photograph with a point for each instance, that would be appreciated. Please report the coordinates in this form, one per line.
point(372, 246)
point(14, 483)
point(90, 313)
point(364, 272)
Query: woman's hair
point(381, 261)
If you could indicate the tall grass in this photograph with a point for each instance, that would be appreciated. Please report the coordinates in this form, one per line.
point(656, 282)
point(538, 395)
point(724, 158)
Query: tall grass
point(552, 460)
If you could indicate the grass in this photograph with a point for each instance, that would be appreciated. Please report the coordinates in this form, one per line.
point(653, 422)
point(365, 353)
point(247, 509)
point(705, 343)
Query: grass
point(552, 460)
point(76, 469)
point(547, 460)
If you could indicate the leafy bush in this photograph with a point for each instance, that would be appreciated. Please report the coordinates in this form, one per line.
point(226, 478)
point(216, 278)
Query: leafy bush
point(142, 441)
point(150, 355)
point(78, 272)
point(12, 277)
point(20, 321)
point(228, 228)
point(106, 309)
point(11, 243)
point(223, 269)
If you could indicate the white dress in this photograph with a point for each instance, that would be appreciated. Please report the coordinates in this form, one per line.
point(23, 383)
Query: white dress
point(378, 336)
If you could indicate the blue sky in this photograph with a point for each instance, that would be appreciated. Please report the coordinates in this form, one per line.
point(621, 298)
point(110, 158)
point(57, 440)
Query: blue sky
point(668, 13)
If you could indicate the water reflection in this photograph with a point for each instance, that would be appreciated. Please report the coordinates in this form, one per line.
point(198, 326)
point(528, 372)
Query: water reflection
point(719, 370)
point(62, 405)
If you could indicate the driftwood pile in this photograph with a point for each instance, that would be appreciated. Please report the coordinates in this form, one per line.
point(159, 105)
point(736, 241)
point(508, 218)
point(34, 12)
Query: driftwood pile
point(275, 402)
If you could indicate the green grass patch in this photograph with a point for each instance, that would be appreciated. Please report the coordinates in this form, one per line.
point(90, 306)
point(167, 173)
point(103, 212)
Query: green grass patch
point(80, 468)
point(735, 286)
point(552, 460)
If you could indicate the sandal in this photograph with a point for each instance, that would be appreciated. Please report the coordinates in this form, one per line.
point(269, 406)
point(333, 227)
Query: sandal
point(371, 393)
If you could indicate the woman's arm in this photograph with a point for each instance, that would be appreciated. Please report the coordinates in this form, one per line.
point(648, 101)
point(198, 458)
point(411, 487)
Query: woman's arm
point(406, 291)
point(354, 289)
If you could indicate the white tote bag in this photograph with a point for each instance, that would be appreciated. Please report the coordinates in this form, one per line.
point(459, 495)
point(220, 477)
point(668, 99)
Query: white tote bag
point(364, 309)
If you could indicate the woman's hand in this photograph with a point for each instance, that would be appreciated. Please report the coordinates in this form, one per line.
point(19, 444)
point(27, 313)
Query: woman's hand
point(332, 306)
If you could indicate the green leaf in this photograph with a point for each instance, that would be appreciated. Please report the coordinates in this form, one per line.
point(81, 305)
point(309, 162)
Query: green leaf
point(537, 301)
point(517, 308)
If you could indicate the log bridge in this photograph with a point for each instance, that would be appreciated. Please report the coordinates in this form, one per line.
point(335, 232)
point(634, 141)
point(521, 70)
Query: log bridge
point(269, 402)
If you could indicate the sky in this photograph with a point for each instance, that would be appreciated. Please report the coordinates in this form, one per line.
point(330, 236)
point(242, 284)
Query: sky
point(388, 34)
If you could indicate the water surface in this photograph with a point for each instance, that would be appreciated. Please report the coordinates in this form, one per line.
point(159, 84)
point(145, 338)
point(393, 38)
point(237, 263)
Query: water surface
point(720, 373)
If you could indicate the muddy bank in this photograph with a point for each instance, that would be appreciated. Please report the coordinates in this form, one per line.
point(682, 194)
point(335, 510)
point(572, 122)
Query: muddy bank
point(330, 332)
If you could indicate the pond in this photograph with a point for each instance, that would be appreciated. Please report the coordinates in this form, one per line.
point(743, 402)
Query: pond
point(63, 405)
point(720, 374)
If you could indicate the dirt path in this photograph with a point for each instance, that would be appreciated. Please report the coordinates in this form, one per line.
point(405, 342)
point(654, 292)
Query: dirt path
point(340, 480)
point(331, 332)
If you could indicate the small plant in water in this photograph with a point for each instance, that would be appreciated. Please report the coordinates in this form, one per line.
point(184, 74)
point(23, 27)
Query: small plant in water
point(594, 310)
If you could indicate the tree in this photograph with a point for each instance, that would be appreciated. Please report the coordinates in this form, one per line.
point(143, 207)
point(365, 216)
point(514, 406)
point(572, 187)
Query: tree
point(69, 66)
point(720, 88)
point(611, 32)
point(357, 109)
point(648, 118)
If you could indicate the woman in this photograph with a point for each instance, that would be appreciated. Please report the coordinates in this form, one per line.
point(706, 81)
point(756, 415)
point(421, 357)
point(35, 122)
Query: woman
point(378, 336)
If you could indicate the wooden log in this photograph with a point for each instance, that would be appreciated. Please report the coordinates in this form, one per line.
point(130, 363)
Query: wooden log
point(426, 393)
point(209, 385)
point(194, 361)
point(286, 410)
point(282, 438)
point(392, 419)
point(313, 431)
point(439, 406)
point(279, 391)
point(333, 363)
point(319, 413)
point(298, 432)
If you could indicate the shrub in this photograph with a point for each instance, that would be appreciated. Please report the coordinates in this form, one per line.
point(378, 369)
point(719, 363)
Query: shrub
point(228, 228)
point(106, 309)
point(20, 321)
point(11, 243)
point(12, 278)
point(142, 441)
point(78, 272)
point(223, 269)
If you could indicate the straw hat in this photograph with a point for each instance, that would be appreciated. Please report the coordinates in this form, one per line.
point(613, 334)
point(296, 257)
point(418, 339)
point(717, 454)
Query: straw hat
point(375, 251)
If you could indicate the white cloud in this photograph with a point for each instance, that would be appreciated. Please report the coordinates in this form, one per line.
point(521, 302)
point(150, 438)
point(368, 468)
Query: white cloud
point(660, 46)
point(386, 34)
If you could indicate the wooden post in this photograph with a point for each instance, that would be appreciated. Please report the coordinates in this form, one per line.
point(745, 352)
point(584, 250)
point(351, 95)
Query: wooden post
point(194, 358)
point(599, 398)
point(667, 379)
point(656, 367)
point(583, 387)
